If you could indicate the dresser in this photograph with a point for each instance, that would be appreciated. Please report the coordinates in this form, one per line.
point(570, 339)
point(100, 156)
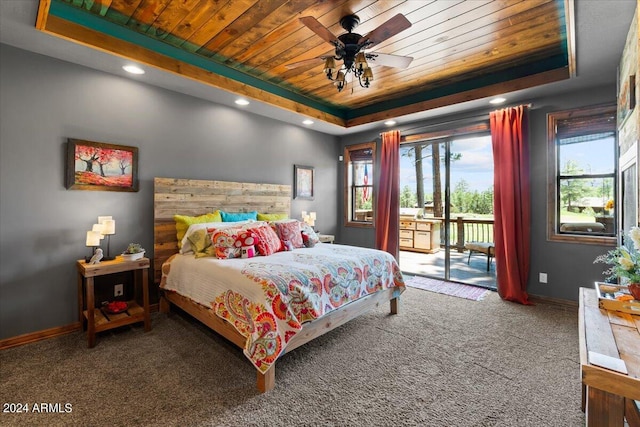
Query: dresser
point(609, 363)
point(419, 235)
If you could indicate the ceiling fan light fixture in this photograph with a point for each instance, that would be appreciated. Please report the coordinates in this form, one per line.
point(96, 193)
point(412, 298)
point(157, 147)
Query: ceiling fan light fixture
point(350, 48)
point(329, 67)
point(367, 77)
point(340, 81)
point(361, 61)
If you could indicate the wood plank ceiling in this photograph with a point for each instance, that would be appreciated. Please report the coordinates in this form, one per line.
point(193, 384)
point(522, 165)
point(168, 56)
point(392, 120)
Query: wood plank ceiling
point(461, 49)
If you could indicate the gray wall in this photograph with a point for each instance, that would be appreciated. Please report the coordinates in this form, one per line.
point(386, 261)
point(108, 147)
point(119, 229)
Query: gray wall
point(569, 266)
point(42, 225)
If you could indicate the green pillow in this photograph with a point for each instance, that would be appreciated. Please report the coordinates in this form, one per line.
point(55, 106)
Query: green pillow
point(272, 217)
point(200, 240)
point(183, 222)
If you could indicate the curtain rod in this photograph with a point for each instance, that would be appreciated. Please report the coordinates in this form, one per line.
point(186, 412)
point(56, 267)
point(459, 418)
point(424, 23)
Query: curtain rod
point(479, 116)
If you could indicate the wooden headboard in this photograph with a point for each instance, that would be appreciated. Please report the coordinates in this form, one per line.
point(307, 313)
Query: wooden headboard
point(196, 197)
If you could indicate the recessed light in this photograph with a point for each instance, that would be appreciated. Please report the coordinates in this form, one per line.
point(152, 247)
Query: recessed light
point(133, 69)
point(242, 101)
point(307, 122)
point(390, 122)
point(498, 100)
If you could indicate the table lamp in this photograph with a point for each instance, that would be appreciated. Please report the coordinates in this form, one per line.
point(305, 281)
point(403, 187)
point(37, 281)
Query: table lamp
point(93, 241)
point(108, 228)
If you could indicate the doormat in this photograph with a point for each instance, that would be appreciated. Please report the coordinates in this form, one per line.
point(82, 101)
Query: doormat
point(448, 288)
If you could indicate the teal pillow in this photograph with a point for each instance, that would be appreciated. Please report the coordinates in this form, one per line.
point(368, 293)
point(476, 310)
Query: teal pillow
point(238, 216)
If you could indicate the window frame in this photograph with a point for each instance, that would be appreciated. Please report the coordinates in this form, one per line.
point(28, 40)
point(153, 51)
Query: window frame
point(554, 178)
point(349, 187)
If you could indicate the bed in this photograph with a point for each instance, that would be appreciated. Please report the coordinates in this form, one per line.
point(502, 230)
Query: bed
point(252, 302)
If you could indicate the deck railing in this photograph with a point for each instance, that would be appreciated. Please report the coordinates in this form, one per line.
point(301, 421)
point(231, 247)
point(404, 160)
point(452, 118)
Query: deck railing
point(463, 230)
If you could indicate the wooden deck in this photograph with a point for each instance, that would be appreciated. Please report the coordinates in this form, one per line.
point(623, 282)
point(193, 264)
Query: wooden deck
point(432, 265)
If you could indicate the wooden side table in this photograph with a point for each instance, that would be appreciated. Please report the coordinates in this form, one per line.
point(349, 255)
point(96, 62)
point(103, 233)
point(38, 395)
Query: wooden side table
point(99, 320)
point(609, 363)
point(326, 238)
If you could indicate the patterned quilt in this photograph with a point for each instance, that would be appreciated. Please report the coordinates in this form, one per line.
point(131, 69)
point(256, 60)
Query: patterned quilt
point(267, 299)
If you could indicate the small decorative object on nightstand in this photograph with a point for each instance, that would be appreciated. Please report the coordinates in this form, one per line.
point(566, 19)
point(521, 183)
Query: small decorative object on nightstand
point(326, 238)
point(133, 252)
point(98, 319)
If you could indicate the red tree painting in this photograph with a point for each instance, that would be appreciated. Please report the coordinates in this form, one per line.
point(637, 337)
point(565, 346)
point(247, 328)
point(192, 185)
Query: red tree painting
point(100, 166)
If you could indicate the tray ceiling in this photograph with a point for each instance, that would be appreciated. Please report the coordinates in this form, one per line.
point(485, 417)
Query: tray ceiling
point(461, 50)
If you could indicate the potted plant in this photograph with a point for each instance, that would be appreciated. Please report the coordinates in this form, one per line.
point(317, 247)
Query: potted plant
point(625, 263)
point(134, 251)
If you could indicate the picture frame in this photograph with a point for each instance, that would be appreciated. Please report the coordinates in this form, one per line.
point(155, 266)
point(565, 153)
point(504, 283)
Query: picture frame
point(100, 166)
point(303, 185)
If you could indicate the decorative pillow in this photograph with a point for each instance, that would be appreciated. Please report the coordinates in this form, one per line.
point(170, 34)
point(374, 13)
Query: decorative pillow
point(268, 241)
point(185, 244)
point(199, 240)
point(238, 216)
point(246, 241)
point(309, 236)
point(272, 216)
point(290, 231)
point(223, 241)
point(183, 222)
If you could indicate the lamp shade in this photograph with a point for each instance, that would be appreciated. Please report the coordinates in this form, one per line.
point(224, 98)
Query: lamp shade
point(329, 65)
point(312, 215)
point(361, 61)
point(109, 226)
point(98, 228)
point(93, 238)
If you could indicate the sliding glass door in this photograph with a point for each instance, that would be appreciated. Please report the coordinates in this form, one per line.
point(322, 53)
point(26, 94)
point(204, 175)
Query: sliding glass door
point(446, 209)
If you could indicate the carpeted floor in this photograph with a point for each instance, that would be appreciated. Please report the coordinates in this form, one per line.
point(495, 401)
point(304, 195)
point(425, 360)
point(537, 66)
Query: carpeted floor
point(443, 361)
point(460, 290)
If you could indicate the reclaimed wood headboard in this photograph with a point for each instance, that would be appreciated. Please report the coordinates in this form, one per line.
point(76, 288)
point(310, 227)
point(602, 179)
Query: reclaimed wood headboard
point(196, 197)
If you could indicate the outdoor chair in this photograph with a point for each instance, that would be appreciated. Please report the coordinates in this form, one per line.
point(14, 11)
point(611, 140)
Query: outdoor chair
point(487, 248)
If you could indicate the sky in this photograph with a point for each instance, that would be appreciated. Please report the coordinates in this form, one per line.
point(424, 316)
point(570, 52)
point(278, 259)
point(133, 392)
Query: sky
point(476, 164)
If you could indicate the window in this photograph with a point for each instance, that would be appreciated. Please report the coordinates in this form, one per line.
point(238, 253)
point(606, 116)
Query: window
point(359, 169)
point(582, 170)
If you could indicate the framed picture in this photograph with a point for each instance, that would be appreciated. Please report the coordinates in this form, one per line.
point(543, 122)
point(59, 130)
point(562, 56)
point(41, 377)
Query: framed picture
point(302, 182)
point(100, 166)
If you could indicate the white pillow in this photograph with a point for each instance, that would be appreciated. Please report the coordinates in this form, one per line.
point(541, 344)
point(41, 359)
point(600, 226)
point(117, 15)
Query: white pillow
point(186, 244)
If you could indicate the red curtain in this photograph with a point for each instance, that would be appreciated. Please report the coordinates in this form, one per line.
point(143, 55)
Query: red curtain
point(387, 215)
point(510, 135)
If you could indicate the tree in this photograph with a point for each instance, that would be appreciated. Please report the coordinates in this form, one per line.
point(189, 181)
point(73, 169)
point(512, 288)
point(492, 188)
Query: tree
point(417, 152)
point(419, 177)
point(460, 196)
point(88, 155)
point(407, 197)
point(123, 158)
point(572, 190)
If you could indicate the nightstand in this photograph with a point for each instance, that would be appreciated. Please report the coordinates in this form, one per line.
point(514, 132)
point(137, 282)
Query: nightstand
point(326, 238)
point(98, 319)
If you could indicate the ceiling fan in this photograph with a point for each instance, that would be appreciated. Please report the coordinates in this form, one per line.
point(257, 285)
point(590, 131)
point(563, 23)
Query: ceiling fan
point(350, 48)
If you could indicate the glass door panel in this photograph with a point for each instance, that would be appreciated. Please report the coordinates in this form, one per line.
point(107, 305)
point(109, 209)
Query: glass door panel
point(446, 210)
point(471, 211)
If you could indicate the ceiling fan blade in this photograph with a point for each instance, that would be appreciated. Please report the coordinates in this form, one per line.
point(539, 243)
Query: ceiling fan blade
point(314, 25)
point(312, 61)
point(389, 29)
point(388, 60)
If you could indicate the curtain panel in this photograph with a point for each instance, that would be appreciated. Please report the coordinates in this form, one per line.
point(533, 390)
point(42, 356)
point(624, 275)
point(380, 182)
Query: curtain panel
point(387, 215)
point(512, 201)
